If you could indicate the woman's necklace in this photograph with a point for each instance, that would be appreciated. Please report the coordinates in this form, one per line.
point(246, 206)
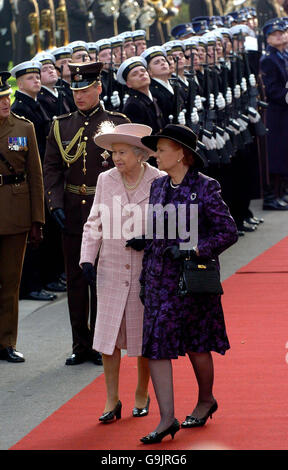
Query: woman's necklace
point(174, 186)
point(134, 186)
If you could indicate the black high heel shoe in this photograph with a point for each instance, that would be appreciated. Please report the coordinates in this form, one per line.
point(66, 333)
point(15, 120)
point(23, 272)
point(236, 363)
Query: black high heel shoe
point(139, 412)
point(154, 437)
point(110, 415)
point(191, 422)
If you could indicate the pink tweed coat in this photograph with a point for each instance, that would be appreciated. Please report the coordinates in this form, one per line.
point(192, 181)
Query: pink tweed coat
point(105, 232)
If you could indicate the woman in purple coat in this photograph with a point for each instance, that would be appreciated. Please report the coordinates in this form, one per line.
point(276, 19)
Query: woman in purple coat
point(193, 324)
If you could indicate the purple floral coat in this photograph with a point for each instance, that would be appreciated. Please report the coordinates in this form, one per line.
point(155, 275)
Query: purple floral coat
point(174, 325)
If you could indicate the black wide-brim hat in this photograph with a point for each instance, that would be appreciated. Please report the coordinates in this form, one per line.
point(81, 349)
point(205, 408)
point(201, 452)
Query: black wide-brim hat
point(183, 135)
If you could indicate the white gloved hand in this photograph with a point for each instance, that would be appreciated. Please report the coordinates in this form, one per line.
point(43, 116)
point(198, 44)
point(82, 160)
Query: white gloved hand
point(194, 116)
point(252, 79)
point(30, 39)
point(220, 101)
point(115, 100)
point(125, 98)
point(256, 116)
point(244, 84)
point(220, 142)
point(237, 91)
point(102, 104)
point(243, 125)
point(211, 101)
point(181, 118)
point(229, 96)
point(198, 102)
point(226, 136)
point(210, 144)
point(233, 129)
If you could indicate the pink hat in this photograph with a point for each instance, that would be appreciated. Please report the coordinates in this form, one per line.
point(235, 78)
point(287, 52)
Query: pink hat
point(130, 134)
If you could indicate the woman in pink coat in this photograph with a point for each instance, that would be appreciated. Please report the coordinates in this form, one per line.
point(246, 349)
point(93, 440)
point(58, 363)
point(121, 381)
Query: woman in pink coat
point(117, 215)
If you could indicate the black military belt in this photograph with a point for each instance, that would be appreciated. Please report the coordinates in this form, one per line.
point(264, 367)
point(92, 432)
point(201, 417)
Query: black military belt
point(83, 189)
point(12, 179)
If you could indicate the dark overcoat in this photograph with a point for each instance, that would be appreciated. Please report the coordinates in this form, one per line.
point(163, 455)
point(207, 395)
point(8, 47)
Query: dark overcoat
point(174, 325)
point(275, 77)
point(27, 107)
point(139, 108)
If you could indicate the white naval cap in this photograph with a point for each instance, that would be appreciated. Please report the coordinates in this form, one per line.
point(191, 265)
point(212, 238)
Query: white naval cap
point(225, 32)
point(152, 52)
point(45, 58)
point(241, 29)
point(62, 52)
point(175, 45)
point(193, 42)
point(210, 38)
point(138, 34)
point(91, 46)
point(128, 65)
point(116, 41)
point(78, 46)
point(127, 36)
point(29, 66)
point(103, 44)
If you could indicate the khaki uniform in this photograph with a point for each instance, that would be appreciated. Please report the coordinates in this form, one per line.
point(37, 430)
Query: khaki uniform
point(20, 205)
point(71, 187)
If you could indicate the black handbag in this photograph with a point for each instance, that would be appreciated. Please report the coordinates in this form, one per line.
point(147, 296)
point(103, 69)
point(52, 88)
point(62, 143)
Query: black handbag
point(199, 276)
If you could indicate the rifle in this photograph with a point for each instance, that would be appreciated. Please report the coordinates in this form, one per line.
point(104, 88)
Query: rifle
point(110, 79)
point(192, 93)
point(225, 148)
point(61, 93)
point(209, 115)
point(247, 137)
point(176, 88)
point(253, 92)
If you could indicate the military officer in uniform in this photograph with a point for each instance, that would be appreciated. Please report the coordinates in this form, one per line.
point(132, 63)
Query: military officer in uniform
point(27, 75)
point(140, 107)
point(160, 87)
point(63, 57)
point(80, 51)
point(48, 95)
point(274, 72)
point(21, 212)
point(71, 166)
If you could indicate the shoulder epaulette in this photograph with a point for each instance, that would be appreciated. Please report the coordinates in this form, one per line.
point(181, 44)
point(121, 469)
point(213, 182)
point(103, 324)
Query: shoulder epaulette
point(115, 113)
point(62, 116)
point(21, 117)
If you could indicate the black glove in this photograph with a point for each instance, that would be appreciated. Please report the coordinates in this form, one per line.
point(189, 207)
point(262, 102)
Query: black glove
point(59, 216)
point(137, 243)
point(89, 273)
point(142, 294)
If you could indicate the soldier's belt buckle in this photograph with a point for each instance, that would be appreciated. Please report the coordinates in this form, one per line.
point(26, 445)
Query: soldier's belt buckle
point(82, 189)
point(1, 180)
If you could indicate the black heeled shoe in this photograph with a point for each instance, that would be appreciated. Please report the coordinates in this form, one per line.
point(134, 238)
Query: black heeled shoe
point(139, 412)
point(110, 415)
point(154, 437)
point(191, 422)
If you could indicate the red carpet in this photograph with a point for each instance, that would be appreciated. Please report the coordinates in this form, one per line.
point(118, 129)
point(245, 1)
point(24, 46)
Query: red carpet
point(251, 380)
